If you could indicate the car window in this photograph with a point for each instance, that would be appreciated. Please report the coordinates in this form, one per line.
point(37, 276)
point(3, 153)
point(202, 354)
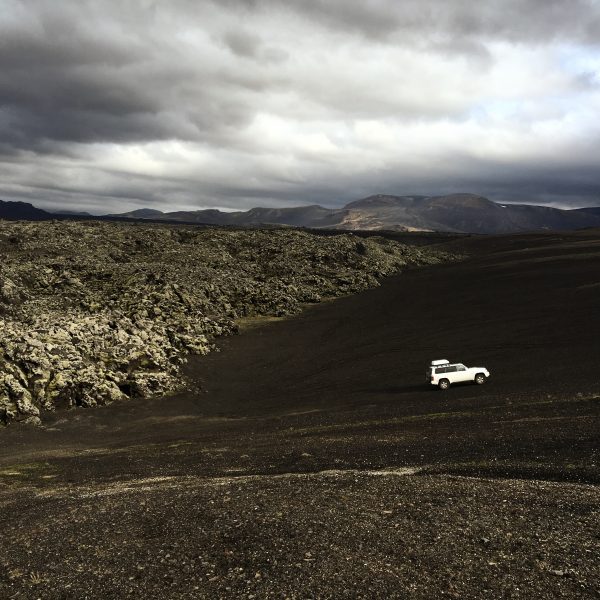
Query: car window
point(461, 368)
point(452, 369)
point(441, 370)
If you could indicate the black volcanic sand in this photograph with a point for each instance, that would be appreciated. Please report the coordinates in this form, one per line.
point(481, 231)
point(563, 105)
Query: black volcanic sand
point(316, 463)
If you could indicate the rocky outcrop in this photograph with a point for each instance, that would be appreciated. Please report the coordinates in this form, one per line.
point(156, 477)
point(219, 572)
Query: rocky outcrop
point(93, 313)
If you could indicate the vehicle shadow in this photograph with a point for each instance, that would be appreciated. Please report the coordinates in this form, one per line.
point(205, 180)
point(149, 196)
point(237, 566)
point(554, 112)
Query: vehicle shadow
point(401, 389)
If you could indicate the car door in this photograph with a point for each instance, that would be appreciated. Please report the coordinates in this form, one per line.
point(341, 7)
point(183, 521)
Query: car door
point(451, 373)
point(461, 373)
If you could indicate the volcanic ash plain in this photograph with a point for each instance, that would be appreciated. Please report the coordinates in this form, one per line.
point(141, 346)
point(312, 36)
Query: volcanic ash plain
point(308, 458)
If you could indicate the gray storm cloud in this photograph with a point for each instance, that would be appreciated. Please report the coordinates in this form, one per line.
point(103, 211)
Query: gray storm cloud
point(110, 106)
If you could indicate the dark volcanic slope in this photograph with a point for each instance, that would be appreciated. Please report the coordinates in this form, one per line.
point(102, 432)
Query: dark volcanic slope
point(526, 309)
point(316, 463)
point(592, 210)
point(22, 210)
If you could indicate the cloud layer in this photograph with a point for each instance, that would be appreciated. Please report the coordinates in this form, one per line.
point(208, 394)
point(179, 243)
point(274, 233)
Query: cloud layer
point(111, 106)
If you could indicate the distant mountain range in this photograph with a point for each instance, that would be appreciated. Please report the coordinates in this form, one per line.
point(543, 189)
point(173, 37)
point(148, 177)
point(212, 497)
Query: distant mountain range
point(462, 213)
point(22, 211)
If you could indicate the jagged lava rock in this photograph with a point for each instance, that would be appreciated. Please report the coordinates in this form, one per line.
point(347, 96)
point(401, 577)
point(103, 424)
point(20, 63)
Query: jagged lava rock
point(94, 312)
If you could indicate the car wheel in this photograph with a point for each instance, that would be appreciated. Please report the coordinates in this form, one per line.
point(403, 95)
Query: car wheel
point(479, 378)
point(443, 384)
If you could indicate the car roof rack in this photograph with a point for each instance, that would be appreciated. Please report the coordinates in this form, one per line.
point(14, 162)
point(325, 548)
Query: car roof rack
point(437, 363)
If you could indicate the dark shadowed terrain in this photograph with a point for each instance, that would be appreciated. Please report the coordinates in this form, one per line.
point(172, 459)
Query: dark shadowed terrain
point(313, 461)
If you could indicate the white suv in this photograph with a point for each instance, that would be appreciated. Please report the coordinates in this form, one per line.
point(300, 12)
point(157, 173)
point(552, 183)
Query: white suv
point(442, 374)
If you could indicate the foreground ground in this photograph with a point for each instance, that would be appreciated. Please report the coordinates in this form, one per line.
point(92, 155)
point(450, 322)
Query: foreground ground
point(315, 462)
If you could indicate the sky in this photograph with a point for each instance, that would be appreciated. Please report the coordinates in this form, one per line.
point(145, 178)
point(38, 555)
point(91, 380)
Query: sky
point(109, 106)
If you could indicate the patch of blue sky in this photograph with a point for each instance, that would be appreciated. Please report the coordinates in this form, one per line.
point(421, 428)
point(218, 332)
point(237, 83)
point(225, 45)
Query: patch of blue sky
point(583, 62)
point(525, 110)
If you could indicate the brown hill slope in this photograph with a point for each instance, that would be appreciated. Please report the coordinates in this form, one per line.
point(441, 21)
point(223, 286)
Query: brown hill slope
point(464, 213)
point(459, 213)
point(467, 213)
